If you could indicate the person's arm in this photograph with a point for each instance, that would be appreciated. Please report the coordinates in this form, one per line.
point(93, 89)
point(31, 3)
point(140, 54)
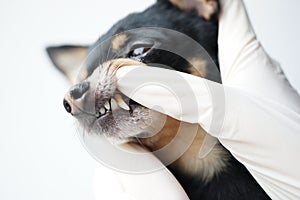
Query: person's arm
point(243, 61)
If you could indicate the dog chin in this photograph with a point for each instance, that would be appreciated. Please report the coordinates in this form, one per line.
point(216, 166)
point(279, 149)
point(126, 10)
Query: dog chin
point(122, 126)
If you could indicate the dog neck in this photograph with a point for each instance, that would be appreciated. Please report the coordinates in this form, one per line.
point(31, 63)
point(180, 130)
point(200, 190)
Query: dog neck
point(188, 162)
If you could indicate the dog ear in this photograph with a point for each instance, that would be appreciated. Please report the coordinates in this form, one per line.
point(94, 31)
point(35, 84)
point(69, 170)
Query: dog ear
point(208, 9)
point(67, 59)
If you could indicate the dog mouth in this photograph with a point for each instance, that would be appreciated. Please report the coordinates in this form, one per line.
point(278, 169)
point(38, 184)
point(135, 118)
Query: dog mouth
point(118, 102)
point(108, 99)
point(100, 108)
point(121, 119)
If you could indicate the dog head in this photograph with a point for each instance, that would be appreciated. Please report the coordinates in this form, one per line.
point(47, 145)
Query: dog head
point(138, 39)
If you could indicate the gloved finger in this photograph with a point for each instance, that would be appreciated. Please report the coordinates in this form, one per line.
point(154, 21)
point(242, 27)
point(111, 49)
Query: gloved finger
point(107, 185)
point(115, 185)
point(182, 96)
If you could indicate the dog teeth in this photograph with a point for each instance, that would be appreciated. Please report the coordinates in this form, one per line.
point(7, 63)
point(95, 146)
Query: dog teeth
point(113, 104)
point(102, 111)
point(107, 105)
point(105, 108)
point(121, 102)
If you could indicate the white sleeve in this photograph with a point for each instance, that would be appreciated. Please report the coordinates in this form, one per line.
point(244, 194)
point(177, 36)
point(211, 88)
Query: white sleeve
point(262, 126)
point(243, 61)
point(255, 113)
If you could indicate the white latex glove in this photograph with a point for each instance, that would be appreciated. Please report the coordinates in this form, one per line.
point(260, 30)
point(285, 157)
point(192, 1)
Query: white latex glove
point(255, 113)
point(158, 185)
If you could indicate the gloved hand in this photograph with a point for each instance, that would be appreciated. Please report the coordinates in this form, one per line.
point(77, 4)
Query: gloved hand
point(255, 114)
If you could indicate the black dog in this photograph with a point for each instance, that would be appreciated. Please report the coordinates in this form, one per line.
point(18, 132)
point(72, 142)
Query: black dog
point(98, 104)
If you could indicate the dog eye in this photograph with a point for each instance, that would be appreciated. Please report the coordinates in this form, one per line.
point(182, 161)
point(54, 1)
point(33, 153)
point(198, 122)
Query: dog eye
point(138, 52)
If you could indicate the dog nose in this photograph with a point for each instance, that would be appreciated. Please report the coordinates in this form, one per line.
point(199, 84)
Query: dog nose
point(67, 106)
point(78, 90)
point(72, 98)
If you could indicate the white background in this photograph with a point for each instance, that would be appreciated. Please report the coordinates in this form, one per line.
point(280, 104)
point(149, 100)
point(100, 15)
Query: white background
point(40, 155)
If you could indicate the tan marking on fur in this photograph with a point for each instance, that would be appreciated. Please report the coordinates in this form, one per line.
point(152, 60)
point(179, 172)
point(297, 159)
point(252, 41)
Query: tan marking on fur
point(204, 168)
point(189, 162)
point(123, 62)
point(198, 67)
point(118, 41)
point(205, 8)
point(164, 136)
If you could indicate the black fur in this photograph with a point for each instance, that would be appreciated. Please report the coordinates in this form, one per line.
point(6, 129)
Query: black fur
point(164, 15)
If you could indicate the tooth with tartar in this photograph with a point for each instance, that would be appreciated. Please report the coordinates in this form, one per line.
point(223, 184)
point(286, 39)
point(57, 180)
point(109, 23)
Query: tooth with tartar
point(113, 104)
point(106, 105)
point(102, 110)
point(121, 102)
